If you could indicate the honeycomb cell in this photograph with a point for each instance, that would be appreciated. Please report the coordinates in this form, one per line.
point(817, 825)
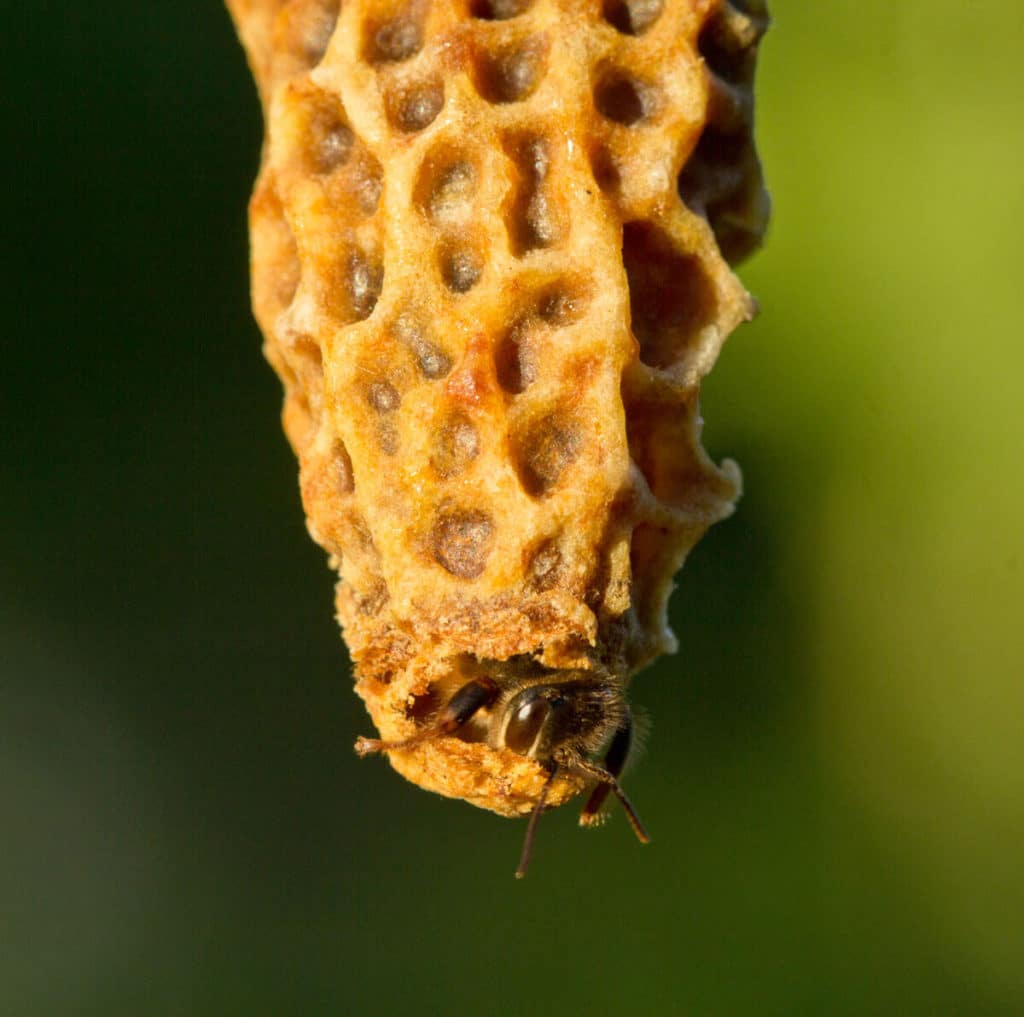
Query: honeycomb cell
point(544, 451)
point(446, 185)
point(544, 565)
point(303, 32)
point(329, 150)
point(330, 137)
point(343, 468)
point(431, 360)
point(605, 170)
point(561, 303)
point(461, 541)
point(456, 445)
point(498, 10)
point(713, 170)
point(672, 298)
point(365, 278)
point(632, 17)
point(623, 98)
point(414, 106)
point(383, 397)
point(387, 437)
point(511, 73)
point(275, 261)
point(366, 183)
point(461, 268)
point(534, 218)
point(728, 41)
point(394, 40)
point(722, 177)
point(305, 352)
point(647, 549)
point(657, 421)
point(515, 359)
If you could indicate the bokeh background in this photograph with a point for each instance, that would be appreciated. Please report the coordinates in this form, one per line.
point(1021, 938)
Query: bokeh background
point(835, 773)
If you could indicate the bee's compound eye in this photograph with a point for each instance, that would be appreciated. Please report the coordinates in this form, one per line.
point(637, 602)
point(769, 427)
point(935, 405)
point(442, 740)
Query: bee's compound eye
point(525, 723)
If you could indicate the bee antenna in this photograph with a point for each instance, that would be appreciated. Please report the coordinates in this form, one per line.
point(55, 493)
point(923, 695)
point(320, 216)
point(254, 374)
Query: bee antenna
point(531, 829)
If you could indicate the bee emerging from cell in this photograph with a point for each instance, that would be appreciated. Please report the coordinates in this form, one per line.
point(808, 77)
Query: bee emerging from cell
point(558, 720)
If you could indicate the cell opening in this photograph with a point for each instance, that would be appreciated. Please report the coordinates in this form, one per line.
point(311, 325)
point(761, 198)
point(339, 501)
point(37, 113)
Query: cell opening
point(672, 298)
point(623, 99)
point(544, 451)
point(461, 541)
point(498, 10)
point(461, 268)
point(394, 40)
point(415, 106)
point(632, 17)
point(534, 218)
point(512, 73)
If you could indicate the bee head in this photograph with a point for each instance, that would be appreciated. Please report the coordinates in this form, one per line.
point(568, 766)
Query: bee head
point(560, 722)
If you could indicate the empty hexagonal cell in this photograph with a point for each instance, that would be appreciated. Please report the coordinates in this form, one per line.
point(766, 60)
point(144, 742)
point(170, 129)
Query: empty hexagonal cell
point(413, 106)
point(605, 170)
point(384, 400)
point(515, 358)
point(623, 98)
point(366, 182)
point(498, 10)
point(461, 541)
point(648, 564)
point(632, 17)
point(461, 267)
point(728, 40)
point(383, 396)
point(303, 31)
point(561, 303)
point(343, 467)
point(456, 445)
point(713, 170)
point(276, 267)
point(722, 181)
point(671, 297)
point(329, 148)
point(544, 565)
point(534, 217)
point(364, 279)
point(511, 72)
point(315, 127)
point(544, 449)
point(552, 305)
point(306, 358)
point(446, 184)
point(395, 37)
point(431, 360)
point(661, 432)
point(330, 139)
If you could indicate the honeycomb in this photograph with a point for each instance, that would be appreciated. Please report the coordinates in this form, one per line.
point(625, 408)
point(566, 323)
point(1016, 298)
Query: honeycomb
point(490, 256)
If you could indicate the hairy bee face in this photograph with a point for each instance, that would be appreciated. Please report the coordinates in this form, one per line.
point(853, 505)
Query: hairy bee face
point(558, 722)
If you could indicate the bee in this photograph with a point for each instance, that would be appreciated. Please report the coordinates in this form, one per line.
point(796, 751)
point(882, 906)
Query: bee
point(560, 719)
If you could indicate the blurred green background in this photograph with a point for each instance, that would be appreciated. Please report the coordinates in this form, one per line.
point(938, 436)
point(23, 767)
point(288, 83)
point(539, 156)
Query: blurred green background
point(835, 774)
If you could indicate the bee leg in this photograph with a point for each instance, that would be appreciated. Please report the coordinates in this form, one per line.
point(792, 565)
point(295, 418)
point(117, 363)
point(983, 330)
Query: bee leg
point(531, 829)
point(473, 696)
point(614, 761)
point(598, 773)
